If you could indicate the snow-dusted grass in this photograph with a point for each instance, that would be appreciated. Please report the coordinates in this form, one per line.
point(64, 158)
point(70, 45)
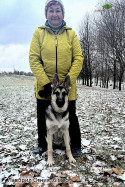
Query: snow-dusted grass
point(101, 115)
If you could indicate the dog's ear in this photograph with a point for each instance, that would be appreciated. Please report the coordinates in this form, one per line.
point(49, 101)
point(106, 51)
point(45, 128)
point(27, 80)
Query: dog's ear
point(55, 81)
point(67, 83)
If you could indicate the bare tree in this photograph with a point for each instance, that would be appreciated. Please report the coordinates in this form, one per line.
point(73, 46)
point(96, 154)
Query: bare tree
point(112, 29)
point(103, 45)
point(87, 43)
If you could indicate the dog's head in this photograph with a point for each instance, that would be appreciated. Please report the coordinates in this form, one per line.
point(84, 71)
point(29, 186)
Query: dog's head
point(59, 96)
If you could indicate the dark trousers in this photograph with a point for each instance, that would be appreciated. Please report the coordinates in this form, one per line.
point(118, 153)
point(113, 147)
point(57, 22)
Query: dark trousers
point(74, 129)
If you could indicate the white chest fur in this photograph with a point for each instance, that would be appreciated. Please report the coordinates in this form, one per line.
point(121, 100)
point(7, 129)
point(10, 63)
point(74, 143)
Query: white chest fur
point(57, 124)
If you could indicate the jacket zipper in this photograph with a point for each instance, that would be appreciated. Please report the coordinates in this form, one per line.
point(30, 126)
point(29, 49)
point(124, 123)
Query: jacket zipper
point(56, 51)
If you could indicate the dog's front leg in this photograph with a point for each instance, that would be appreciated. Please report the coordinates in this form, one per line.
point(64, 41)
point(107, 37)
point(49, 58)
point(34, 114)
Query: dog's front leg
point(50, 150)
point(67, 144)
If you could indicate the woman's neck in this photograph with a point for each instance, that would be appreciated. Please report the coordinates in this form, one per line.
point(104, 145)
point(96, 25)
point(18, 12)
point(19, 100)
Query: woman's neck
point(55, 27)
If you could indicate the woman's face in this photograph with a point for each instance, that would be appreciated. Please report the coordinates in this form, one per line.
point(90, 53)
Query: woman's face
point(55, 15)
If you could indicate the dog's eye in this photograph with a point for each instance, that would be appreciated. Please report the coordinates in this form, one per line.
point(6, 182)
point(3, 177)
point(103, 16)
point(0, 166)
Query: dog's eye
point(63, 93)
point(57, 93)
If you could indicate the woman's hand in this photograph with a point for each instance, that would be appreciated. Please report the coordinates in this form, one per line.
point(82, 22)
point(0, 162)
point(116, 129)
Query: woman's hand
point(46, 92)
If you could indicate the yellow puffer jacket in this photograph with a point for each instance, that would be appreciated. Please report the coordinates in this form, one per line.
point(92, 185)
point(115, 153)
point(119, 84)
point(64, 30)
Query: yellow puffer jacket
point(48, 49)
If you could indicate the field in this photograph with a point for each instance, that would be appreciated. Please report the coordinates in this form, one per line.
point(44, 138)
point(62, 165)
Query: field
point(101, 114)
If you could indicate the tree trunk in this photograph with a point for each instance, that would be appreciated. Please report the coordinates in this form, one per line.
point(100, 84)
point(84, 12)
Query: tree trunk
point(120, 83)
point(114, 74)
point(97, 81)
point(120, 78)
point(107, 82)
point(90, 80)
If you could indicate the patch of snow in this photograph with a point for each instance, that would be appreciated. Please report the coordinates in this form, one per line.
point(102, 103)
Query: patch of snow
point(85, 142)
point(41, 165)
point(45, 174)
point(9, 146)
point(25, 159)
point(22, 147)
point(117, 139)
point(59, 152)
point(113, 157)
point(75, 185)
point(122, 177)
point(6, 160)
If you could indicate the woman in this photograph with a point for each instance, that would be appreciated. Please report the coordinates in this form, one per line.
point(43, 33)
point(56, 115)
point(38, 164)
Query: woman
point(55, 49)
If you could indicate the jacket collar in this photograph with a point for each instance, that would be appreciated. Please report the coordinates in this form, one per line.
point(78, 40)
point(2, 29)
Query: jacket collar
point(49, 29)
point(63, 23)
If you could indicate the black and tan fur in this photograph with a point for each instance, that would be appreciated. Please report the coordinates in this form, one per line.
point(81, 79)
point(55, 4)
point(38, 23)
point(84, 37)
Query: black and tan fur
point(57, 119)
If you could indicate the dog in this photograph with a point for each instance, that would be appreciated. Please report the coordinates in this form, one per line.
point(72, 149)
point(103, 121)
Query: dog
point(57, 119)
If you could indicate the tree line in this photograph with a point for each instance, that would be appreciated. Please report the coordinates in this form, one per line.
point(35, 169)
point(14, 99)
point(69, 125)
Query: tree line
point(102, 37)
point(16, 72)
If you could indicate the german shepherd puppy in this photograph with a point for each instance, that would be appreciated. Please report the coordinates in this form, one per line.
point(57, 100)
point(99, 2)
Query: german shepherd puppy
point(57, 119)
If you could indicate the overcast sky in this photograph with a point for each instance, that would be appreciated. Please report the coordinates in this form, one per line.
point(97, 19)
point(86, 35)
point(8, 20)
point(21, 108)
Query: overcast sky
point(20, 18)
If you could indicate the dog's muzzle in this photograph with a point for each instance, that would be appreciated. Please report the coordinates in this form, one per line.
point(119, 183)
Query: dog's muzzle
point(60, 103)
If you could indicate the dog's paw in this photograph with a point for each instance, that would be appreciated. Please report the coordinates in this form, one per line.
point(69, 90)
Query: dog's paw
point(71, 159)
point(45, 153)
point(50, 162)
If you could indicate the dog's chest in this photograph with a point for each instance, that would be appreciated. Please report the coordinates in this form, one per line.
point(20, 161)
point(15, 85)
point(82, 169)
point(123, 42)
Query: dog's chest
point(57, 125)
point(56, 122)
